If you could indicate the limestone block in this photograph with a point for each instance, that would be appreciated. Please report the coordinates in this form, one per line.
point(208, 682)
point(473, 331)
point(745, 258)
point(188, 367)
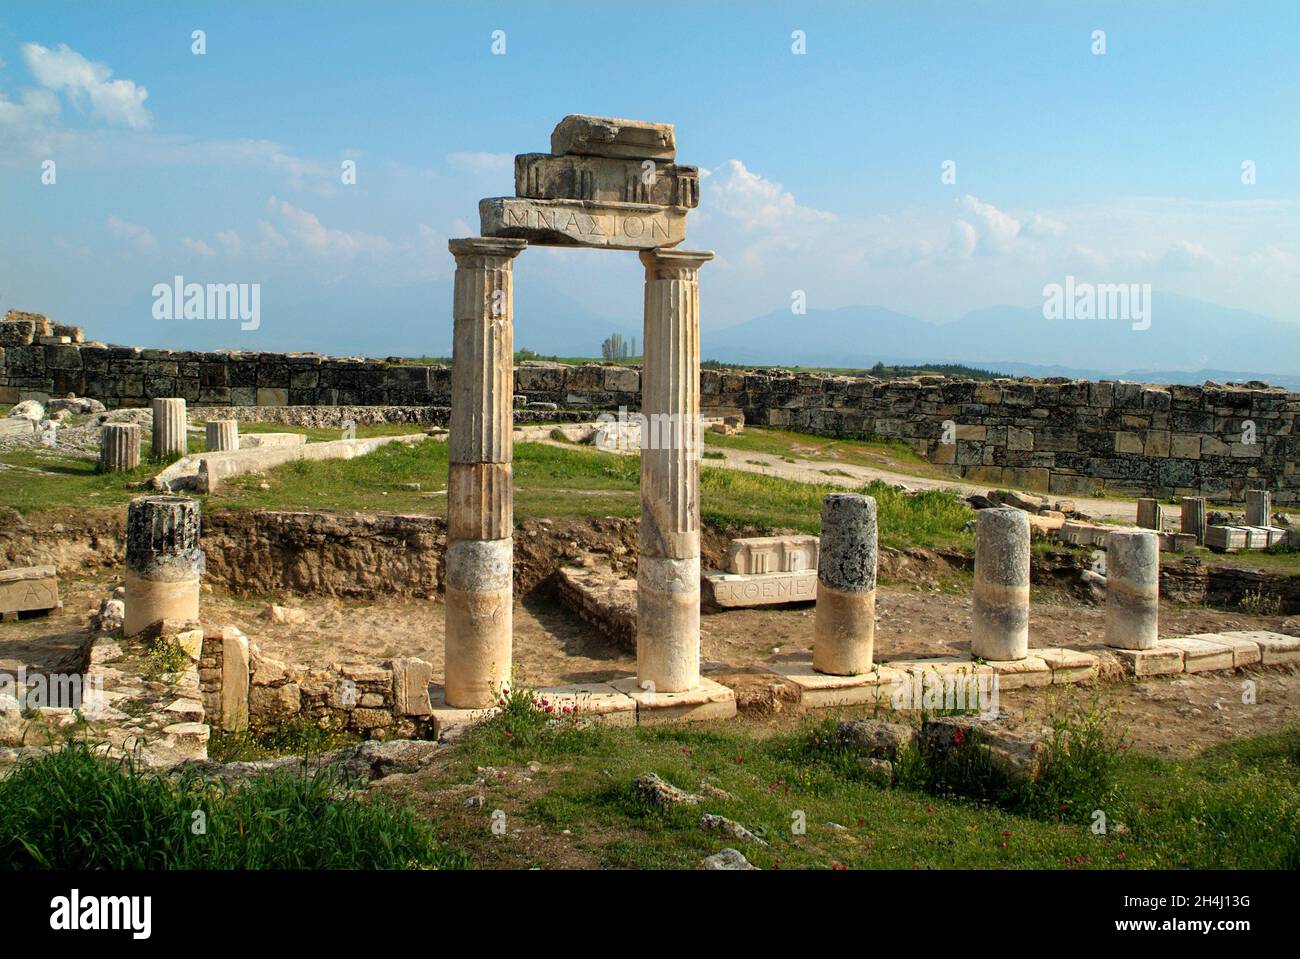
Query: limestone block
point(761, 589)
point(598, 701)
point(1200, 654)
point(1245, 652)
point(618, 226)
point(1259, 507)
point(1069, 665)
point(1226, 539)
point(235, 673)
point(1029, 672)
point(819, 690)
point(614, 137)
point(411, 679)
point(772, 554)
point(1150, 514)
point(1160, 660)
point(604, 180)
point(27, 588)
point(706, 700)
point(1275, 648)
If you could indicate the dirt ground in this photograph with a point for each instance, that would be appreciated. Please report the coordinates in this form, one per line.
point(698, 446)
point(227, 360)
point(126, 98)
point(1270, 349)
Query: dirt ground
point(552, 646)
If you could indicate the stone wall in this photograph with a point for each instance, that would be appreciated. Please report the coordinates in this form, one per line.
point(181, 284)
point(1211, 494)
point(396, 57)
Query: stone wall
point(1056, 435)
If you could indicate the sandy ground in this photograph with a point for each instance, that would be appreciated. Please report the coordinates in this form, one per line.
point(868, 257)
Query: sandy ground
point(1166, 715)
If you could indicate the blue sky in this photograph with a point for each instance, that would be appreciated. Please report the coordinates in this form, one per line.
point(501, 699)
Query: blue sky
point(823, 169)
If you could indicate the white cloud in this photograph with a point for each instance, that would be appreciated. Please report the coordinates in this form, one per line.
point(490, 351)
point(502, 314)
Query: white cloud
point(307, 230)
point(756, 202)
point(1186, 256)
point(198, 247)
point(996, 230)
point(141, 236)
point(87, 81)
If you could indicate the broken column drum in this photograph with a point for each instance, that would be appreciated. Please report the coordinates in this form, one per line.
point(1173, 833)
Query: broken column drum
point(169, 428)
point(845, 625)
point(164, 564)
point(221, 435)
point(1132, 589)
point(1000, 629)
point(119, 447)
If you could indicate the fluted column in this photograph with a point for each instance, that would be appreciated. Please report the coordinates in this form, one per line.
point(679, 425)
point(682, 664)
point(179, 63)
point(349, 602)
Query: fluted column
point(221, 435)
point(164, 564)
point(119, 447)
point(169, 428)
point(480, 526)
point(668, 567)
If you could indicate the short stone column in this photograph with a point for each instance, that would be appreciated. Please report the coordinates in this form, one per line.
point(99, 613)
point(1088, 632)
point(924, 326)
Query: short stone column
point(221, 435)
point(1193, 517)
point(169, 428)
point(480, 524)
point(1132, 589)
point(1150, 514)
point(668, 563)
point(164, 563)
point(119, 447)
point(1001, 602)
point(1259, 507)
point(845, 626)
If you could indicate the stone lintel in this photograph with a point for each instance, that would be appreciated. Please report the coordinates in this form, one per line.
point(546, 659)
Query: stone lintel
point(605, 180)
point(614, 137)
point(615, 226)
point(708, 700)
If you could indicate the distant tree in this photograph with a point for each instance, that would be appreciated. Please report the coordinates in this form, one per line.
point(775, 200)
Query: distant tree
point(614, 347)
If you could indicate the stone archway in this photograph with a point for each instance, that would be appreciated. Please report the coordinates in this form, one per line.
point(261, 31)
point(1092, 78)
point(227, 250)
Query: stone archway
point(607, 184)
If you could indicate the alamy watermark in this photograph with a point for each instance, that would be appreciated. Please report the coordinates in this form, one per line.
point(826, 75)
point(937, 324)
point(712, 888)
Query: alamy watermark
point(56, 690)
point(179, 300)
point(1130, 302)
point(627, 432)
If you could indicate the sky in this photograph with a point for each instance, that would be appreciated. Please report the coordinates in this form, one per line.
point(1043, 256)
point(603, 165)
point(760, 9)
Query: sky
point(932, 159)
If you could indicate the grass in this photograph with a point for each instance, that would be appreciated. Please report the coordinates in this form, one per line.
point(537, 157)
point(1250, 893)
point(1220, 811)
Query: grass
point(876, 452)
point(74, 810)
point(550, 481)
point(293, 738)
point(1236, 806)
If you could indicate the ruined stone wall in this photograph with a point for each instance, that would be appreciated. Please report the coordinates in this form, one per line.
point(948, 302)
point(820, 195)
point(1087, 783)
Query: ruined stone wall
point(1056, 435)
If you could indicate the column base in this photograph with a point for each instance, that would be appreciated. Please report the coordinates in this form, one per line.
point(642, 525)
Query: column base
point(819, 690)
point(707, 700)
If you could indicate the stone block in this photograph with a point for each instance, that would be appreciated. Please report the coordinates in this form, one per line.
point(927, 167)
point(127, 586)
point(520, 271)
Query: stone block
point(27, 589)
point(605, 180)
point(411, 679)
point(1069, 665)
point(708, 700)
point(614, 137)
point(618, 226)
point(760, 589)
point(1275, 648)
point(1201, 654)
point(1021, 673)
point(598, 701)
point(821, 690)
point(1161, 660)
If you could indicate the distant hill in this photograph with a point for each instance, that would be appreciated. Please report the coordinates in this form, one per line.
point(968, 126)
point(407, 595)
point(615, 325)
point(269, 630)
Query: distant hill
point(1188, 341)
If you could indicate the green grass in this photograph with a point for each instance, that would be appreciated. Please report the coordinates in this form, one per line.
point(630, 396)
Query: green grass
point(298, 737)
point(74, 810)
point(876, 452)
point(1236, 806)
point(550, 481)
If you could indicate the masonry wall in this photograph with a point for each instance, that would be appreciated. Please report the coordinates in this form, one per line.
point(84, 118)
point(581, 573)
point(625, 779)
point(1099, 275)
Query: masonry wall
point(1056, 435)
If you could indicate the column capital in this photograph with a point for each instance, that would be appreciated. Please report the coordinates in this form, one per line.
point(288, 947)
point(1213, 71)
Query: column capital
point(666, 264)
point(468, 250)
